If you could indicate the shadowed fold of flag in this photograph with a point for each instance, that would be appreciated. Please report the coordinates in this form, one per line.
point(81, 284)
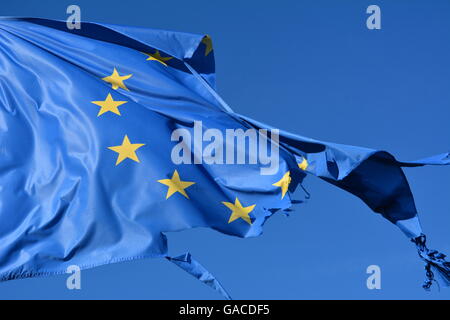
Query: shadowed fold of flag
point(87, 175)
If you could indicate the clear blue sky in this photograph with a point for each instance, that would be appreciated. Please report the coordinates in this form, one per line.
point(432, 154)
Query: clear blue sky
point(313, 68)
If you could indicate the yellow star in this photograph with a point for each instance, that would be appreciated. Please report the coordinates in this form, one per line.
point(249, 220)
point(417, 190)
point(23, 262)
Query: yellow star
point(157, 57)
point(304, 164)
point(284, 183)
point(109, 105)
point(117, 80)
point(126, 150)
point(176, 185)
point(208, 44)
point(238, 211)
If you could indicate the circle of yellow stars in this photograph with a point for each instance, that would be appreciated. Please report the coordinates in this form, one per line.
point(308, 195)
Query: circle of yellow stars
point(175, 184)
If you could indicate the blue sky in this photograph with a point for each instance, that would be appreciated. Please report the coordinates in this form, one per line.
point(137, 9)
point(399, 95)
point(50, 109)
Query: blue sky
point(312, 68)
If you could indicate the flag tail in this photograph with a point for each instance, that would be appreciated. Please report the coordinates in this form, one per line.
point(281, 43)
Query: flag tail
point(193, 267)
point(435, 263)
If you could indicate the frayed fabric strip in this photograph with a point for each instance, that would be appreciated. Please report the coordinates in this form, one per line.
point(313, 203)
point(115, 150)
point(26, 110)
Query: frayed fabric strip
point(434, 263)
point(193, 267)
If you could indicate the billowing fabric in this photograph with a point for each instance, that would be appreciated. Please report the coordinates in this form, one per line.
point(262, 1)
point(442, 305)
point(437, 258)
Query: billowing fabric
point(86, 169)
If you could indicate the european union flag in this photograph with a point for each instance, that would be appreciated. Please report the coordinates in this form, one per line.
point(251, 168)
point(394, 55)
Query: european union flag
point(112, 136)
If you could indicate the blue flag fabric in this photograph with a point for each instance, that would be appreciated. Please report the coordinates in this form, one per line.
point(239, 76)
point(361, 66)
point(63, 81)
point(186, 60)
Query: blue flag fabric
point(87, 171)
point(187, 263)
